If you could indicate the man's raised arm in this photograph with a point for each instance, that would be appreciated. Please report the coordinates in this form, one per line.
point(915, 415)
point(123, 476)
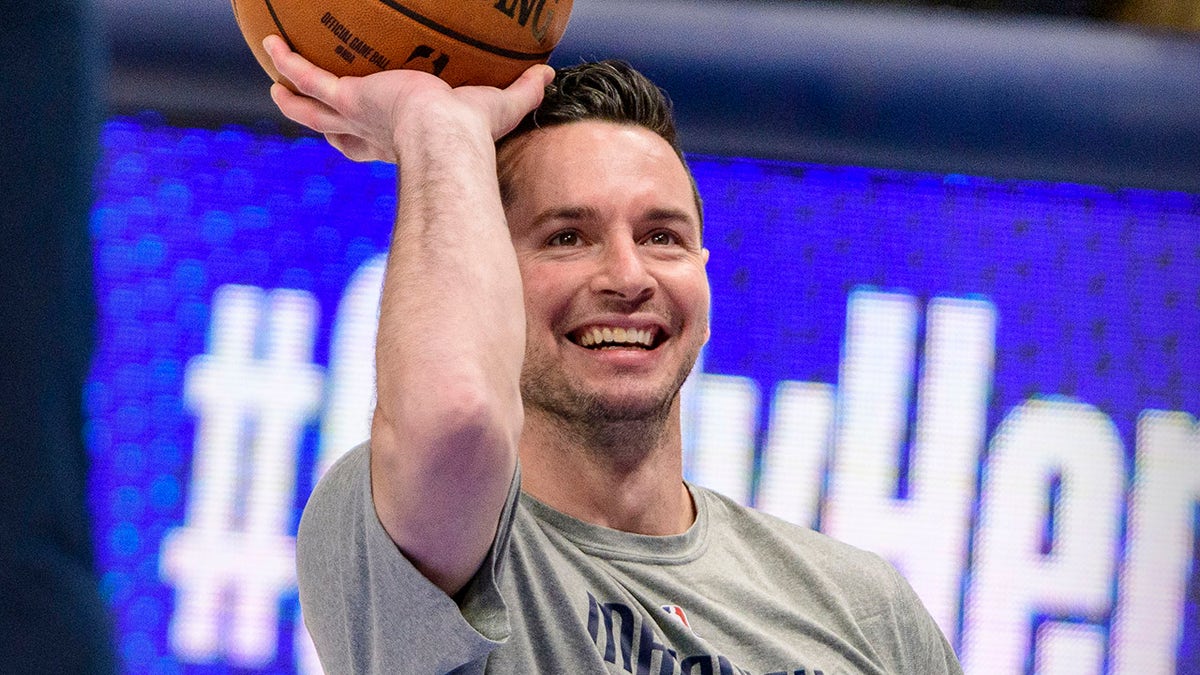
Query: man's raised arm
point(452, 323)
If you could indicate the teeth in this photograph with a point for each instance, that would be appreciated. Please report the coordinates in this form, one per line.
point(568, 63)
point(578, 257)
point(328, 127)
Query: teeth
point(616, 336)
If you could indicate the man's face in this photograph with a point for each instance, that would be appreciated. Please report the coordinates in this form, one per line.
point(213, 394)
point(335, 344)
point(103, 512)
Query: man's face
point(607, 236)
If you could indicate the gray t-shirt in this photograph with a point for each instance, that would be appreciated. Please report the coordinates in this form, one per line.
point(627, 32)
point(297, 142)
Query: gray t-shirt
point(739, 592)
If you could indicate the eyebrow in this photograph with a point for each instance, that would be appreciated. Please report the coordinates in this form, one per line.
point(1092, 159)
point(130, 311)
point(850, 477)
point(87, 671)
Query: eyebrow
point(582, 213)
point(665, 214)
point(570, 213)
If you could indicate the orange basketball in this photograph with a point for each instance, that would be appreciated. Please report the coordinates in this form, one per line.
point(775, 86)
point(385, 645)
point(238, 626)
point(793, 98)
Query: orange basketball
point(461, 41)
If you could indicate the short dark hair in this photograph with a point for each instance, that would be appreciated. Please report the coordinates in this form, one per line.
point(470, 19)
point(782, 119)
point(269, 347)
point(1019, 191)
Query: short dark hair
point(606, 91)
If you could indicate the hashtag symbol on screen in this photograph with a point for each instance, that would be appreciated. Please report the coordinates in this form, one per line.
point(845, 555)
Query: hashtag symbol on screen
point(253, 393)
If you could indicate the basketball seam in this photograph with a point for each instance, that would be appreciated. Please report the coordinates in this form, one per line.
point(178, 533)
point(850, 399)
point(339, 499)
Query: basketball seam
point(466, 39)
point(282, 32)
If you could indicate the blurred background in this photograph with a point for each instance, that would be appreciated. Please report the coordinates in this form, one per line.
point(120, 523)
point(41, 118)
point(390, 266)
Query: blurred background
point(1099, 90)
point(956, 281)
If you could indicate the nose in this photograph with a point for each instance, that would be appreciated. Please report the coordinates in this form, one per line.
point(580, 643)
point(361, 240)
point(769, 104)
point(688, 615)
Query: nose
point(623, 273)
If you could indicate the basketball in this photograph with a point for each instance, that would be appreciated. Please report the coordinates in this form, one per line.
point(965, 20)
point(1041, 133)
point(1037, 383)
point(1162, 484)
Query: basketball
point(487, 42)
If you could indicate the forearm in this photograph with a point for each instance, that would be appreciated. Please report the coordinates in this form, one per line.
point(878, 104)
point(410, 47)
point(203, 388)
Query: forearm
point(449, 350)
point(452, 312)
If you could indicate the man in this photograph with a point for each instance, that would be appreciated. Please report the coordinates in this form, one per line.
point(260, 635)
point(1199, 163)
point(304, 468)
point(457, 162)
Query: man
point(550, 310)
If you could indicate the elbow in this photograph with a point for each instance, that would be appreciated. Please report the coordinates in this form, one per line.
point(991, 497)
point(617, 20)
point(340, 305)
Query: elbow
point(451, 426)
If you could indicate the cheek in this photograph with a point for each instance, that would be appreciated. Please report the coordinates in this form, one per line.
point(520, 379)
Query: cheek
point(546, 300)
point(692, 291)
point(703, 304)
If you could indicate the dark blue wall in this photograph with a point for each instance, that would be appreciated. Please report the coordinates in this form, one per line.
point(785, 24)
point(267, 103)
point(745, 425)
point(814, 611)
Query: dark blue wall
point(1043, 98)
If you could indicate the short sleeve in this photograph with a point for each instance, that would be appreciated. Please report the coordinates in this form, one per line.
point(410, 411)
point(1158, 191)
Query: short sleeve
point(917, 643)
point(367, 607)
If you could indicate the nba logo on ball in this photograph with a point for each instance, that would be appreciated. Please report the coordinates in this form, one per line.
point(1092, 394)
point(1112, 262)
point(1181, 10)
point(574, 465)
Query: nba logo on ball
point(487, 42)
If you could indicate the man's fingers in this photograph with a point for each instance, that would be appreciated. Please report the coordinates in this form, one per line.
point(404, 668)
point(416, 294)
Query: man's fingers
point(531, 85)
point(307, 111)
point(309, 79)
point(358, 150)
point(524, 95)
point(352, 112)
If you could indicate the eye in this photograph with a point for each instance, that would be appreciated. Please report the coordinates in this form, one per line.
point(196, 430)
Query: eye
point(565, 238)
point(661, 238)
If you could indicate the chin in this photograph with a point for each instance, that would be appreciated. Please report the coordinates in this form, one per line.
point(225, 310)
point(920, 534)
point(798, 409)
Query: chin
point(626, 412)
point(629, 403)
point(592, 406)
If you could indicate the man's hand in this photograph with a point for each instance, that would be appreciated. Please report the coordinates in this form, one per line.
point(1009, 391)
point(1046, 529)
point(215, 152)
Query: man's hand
point(362, 116)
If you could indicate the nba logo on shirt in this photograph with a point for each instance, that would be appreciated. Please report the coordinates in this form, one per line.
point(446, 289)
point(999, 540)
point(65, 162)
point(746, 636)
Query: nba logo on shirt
point(678, 614)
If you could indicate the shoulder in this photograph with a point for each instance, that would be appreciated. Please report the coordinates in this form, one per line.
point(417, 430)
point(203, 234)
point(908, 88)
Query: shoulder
point(348, 568)
point(844, 578)
point(819, 560)
point(339, 535)
point(337, 498)
point(752, 523)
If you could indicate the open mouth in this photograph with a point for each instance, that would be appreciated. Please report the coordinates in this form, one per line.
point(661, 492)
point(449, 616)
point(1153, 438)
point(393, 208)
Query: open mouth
point(615, 337)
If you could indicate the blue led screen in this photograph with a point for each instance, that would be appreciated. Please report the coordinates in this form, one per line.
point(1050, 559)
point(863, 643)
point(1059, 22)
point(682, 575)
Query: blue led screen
point(993, 384)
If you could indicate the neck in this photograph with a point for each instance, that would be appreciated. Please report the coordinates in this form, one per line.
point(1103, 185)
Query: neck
point(626, 475)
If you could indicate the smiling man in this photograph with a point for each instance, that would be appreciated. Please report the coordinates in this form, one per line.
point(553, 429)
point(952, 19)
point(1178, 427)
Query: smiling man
point(520, 507)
